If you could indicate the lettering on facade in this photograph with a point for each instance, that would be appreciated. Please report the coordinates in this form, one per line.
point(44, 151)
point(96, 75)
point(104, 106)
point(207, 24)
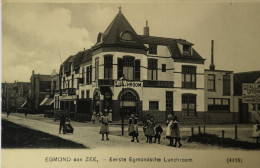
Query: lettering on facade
point(251, 93)
point(119, 83)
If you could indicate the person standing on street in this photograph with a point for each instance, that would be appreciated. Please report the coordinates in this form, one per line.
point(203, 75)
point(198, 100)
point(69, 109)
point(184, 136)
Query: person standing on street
point(149, 132)
point(176, 131)
point(94, 117)
point(62, 123)
point(104, 126)
point(169, 130)
point(133, 128)
point(158, 132)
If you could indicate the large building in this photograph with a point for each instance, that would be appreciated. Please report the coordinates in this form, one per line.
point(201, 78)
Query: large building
point(40, 87)
point(163, 76)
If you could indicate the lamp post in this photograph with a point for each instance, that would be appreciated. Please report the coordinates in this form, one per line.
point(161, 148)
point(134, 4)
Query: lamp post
point(123, 80)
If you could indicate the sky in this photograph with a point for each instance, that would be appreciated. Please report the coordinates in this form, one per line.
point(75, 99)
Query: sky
point(39, 36)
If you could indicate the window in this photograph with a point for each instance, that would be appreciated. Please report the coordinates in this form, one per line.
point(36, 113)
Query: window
point(137, 70)
point(83, 74)
point(152, 69)
point(127, 36)
point(153, 105)
point(187, 49)
point(87, 94)
point(64, 83)
point(68, 83)
point(72, 81)
point(152, 49)
point(211, 82)
point(128, 67)
point(189, 105)
point(163, 67)
point(188, 77)
point(87, 75)
point(119, 68)
point(90, 74)
point(226, 84)
point(217, 104)
point(82, 94)
point(96, 69)
point(108, 67)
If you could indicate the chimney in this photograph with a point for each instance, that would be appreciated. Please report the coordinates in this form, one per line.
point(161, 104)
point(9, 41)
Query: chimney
point(212, 66)
point(146, 29)
point(33, 72)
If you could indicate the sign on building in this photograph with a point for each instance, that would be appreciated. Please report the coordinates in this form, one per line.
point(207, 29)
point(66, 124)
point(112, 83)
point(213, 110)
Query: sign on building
point(119, 83)
point(251, 93)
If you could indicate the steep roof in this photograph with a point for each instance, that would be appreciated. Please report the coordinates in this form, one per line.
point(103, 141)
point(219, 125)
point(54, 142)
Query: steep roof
point(172, 45)
point(244, 77)
point(113, 33)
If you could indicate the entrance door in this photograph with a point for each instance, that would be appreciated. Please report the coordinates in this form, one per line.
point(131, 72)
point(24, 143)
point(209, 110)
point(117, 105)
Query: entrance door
point(169, 103)
point(243, 112)
point(128, 104)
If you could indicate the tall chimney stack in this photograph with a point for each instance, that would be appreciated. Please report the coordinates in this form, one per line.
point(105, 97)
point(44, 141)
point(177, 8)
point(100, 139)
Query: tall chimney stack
point(146, 29)
point(212, 66)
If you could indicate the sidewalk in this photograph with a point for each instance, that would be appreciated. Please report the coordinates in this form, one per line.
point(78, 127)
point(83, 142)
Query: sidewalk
point(88, 133)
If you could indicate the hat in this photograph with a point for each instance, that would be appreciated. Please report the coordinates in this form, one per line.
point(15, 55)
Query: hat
point(169, 116)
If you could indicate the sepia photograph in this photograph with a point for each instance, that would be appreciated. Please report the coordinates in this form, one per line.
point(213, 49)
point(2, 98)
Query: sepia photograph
point(116, 83)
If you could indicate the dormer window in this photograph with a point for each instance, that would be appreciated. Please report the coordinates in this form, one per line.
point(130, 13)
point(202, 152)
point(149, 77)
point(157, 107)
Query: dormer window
point(99, 38)
point(153, 49)
point(187, 49)
point(127, 36)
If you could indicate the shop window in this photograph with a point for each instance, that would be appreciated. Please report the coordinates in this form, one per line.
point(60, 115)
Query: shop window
point(163, 67)
point(188, 77)
point(108, 67)
point(226, 84)
point(211, 82)
point(152, 69)
point(153, 105)
point(189, 105)
point(152, 49)
point(217, 104)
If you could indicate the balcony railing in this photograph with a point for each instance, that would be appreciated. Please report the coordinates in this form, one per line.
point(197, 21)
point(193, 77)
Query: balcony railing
point(158, 84)
point(105, 82)
point(69, 91)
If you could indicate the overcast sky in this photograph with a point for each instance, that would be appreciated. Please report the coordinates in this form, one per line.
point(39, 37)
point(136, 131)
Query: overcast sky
point(36, 36)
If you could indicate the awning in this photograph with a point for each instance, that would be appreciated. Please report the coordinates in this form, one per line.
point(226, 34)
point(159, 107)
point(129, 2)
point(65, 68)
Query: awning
point(49, 102)
point(24, 104)
point(44, 101)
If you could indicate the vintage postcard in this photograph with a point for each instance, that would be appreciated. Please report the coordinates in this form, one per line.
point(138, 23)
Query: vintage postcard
point(130, 84)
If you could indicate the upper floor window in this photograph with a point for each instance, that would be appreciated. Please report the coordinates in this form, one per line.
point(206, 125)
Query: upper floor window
point(211, 82)
point(128, 67)
point(127, 36)
point(226, 84)
point(72, 81)
point(152, 69)
point(83, 76)
point(153, 49)
point(163, 67)
point(96, 69)
point(82, 94)
point(188, 77)
point(108, 67)
point(187, 49)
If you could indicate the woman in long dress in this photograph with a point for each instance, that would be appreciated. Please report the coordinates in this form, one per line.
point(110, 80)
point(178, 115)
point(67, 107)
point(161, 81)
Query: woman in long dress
point(149, 132)
point(169, 130)
point(176, 131)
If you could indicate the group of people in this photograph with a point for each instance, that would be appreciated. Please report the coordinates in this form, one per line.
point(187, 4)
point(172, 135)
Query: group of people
point(152, 130)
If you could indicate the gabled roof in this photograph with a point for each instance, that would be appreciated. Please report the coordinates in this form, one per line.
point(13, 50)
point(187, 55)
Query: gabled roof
point(172, 45)
point(244, 77)
point(112, 35)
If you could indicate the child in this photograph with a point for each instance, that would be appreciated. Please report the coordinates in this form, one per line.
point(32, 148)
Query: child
point(176, 131)
point(149, 132)
point(158, 132)
point(104, 126)
point(94, 117)
point(133, 128)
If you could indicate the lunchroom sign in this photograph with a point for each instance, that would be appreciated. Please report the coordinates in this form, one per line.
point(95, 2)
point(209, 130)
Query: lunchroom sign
point(251, 93)
point(119, 83)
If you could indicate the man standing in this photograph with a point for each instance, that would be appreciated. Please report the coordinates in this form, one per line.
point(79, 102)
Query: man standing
point(62, 122)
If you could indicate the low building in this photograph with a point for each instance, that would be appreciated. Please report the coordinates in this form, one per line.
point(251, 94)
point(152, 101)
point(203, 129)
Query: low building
point(247, 112)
